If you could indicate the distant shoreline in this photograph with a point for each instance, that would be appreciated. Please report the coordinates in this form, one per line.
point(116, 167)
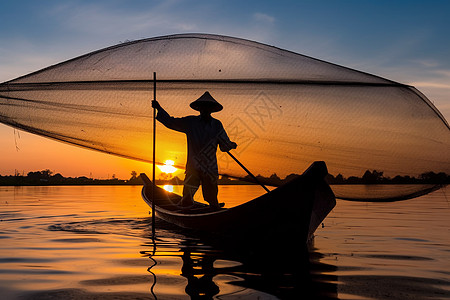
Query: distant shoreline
point(110, 182)
point(47, 178)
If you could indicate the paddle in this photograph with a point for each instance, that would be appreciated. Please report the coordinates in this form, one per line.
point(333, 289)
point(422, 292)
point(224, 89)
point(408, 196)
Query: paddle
point(154, 157)
point(248, 171)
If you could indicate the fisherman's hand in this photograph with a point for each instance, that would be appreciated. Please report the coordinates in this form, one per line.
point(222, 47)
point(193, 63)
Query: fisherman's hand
point(155, 104)
point(233, 145)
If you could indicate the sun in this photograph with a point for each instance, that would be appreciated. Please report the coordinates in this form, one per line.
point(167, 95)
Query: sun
point(168, 167)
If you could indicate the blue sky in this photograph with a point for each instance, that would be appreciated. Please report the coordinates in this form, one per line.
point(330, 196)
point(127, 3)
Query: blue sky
point(406, 41)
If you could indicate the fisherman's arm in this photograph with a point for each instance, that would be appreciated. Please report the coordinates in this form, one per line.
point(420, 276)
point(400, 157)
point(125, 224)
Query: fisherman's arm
point(176, 124)
point(225, 144)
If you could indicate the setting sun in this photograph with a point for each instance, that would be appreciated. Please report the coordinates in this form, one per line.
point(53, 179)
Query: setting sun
point(168, 167)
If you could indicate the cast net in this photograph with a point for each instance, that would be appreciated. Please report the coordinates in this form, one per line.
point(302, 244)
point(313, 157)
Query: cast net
point(284, 110)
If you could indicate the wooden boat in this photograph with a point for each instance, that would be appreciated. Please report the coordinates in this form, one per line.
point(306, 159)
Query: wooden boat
point(297, 207)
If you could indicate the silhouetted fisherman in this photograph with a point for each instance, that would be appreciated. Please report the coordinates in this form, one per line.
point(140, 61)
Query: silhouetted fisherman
point(204, 134)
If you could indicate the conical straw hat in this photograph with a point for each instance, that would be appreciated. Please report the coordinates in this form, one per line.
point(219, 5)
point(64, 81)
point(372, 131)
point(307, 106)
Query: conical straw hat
point(208, 102)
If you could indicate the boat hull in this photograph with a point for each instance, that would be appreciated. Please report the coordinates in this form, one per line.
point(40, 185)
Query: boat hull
point(297, 207)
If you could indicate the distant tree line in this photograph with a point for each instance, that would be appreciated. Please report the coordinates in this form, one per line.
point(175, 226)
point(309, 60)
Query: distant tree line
point(377, 177)
point(369, 177)
point(46, 177)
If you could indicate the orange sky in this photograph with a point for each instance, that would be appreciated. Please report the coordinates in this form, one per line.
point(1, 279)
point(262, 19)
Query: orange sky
point(36, 153)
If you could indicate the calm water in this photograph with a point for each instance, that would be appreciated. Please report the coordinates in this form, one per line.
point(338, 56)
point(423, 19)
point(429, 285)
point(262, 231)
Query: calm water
point(94, 242)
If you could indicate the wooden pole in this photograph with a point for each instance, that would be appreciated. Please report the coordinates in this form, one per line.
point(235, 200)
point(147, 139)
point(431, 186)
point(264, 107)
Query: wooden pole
point(154, 158)
point(248, 172)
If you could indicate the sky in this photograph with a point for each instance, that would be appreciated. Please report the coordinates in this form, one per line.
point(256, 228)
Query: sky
point(405, 41)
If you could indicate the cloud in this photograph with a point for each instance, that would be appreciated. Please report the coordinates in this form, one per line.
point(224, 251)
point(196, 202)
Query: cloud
point(427, 63)
point(428, 84)
point(76, 28)
point(435, 84)
point(19, 57)
point(433, 78)
point(443, 73)
point(95, 19)
point(260, 17)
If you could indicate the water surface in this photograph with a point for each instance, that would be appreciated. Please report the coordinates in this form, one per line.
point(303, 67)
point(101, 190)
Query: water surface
point(94, 242)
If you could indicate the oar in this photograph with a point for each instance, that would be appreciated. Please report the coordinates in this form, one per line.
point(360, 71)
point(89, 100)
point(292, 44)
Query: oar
point(154, 157)
point(248, 171)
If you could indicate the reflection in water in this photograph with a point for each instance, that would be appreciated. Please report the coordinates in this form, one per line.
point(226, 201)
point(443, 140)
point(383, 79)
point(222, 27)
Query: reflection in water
point(168, 188)
point(227, 268)
point(154, 263)
point(84, 242)
point(199, 271)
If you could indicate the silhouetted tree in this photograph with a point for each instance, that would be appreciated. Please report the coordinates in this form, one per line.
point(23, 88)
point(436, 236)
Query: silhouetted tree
point(432, 177)
point(274, 179)
point(339, 178)
point(372, 177)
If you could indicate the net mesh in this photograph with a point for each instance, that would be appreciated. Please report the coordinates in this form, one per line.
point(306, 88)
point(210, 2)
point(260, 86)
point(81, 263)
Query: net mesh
point(284, 110)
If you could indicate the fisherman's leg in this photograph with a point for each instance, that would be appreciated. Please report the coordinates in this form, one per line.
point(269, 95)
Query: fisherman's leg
point(210, 190)
point(191, 184)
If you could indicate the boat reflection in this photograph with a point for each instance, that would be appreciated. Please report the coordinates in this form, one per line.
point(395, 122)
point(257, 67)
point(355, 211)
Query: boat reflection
point(213, 268)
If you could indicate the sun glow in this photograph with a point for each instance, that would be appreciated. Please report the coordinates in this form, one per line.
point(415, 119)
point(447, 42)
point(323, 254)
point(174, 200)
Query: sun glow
point(168, 188)
point(168, 167)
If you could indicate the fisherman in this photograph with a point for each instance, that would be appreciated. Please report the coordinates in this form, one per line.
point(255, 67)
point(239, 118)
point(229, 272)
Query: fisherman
point(204, 134)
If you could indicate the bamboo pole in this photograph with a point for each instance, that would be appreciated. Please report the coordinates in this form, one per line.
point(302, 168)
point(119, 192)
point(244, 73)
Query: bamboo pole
point(154, 158)
point(248, 171)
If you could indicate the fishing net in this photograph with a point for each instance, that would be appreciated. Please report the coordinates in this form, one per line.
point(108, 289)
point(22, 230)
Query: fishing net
point(284, 110)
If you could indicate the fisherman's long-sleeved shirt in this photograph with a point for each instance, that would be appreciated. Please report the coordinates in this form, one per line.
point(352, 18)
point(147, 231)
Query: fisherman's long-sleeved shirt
point(203, 137)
